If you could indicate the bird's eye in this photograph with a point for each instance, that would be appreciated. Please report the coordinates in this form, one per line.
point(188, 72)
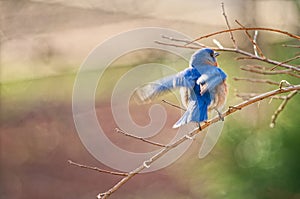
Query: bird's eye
point(212, 54)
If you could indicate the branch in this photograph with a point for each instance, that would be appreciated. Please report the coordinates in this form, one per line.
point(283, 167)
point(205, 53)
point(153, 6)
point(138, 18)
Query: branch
point(247, 96)
point(169, 103)
point(264, 72)
point(281, 107)
point(176, 45)
point(286, 61)
point(249, 28)
point(97, 169)
point(253, 41)
point(291, 46)
point(238, 51)
point(220, 46)
point(267, 81)
point(227, 23)
point(139, 138)
point(182, 40)
point(242, 58)
point(251, 56)
point(284, 83)
point(280, 97)
point(190, 135)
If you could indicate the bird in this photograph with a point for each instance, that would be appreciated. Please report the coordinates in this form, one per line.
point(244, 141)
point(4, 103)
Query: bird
point(202, 88)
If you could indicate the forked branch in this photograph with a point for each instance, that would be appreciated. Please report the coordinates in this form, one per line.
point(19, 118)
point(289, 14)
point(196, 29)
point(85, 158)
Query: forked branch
point(97, 169)
point(281, 107)
point(190, 135)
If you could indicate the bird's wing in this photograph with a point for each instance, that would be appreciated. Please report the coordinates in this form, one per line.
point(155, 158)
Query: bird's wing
point(184, 94)
point(148, 92)
point(210, 79)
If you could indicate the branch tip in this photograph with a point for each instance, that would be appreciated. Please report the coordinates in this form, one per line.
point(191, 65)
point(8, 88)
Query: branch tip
point(173, 105)
point(97, 169)
point(284, 83)
point(228, 26)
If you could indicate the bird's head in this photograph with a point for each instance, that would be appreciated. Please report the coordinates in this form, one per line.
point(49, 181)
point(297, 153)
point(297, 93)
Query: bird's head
point(205, 56)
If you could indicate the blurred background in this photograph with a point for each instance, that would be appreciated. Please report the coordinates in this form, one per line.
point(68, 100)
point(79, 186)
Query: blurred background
point(44, 42)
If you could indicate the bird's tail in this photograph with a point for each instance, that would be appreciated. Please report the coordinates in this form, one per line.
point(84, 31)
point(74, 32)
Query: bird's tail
point(185, 118)
point(195, 113)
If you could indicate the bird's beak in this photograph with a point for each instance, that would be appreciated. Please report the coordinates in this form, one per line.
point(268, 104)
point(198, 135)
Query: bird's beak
point(216, 54)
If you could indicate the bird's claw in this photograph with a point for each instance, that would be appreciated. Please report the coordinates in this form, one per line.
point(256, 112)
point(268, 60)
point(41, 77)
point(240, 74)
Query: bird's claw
point(220, 115)
point(199, 127)
point(221, 118)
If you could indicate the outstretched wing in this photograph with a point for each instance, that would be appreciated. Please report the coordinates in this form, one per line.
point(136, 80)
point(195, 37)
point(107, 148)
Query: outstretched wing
point(148, 92)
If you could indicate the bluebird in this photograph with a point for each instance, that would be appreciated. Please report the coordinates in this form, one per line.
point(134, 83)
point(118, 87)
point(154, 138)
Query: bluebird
point(202, 88)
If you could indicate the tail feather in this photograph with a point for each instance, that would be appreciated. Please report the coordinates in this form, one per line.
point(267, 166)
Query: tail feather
point(195, 113)
point(183, 120)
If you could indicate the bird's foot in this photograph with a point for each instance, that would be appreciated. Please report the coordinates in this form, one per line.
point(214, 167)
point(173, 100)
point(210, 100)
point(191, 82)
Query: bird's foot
point(199, 127)
point(220, 115)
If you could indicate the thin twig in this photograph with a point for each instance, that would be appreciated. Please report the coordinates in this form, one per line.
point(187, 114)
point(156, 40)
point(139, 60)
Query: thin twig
point(182, 40)
point(257, 67)
point(264, 72)
point(176, 45)
point(228, 26)
point(281, 107)
point(247, 96)
point(218, 44)
point(97, 169)
point(266, 81)
point(140, 138)
point(284, 83)
point(286, 61)
point(253, 41)
point(279, 97)
point(242, 58)
point(287, 66)
point(192, 134)
point(248, 28)
point(174, 105)
point(291, 46)
point(238, 51)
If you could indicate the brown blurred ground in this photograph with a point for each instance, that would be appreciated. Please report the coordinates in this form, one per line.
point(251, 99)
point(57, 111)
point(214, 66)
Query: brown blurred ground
point(36, 145)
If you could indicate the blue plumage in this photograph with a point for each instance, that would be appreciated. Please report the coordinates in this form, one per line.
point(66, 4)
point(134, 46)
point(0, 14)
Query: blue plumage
point(202, 87)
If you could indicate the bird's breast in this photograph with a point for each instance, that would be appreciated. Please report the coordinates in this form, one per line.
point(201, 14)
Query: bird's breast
point(221, 92)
